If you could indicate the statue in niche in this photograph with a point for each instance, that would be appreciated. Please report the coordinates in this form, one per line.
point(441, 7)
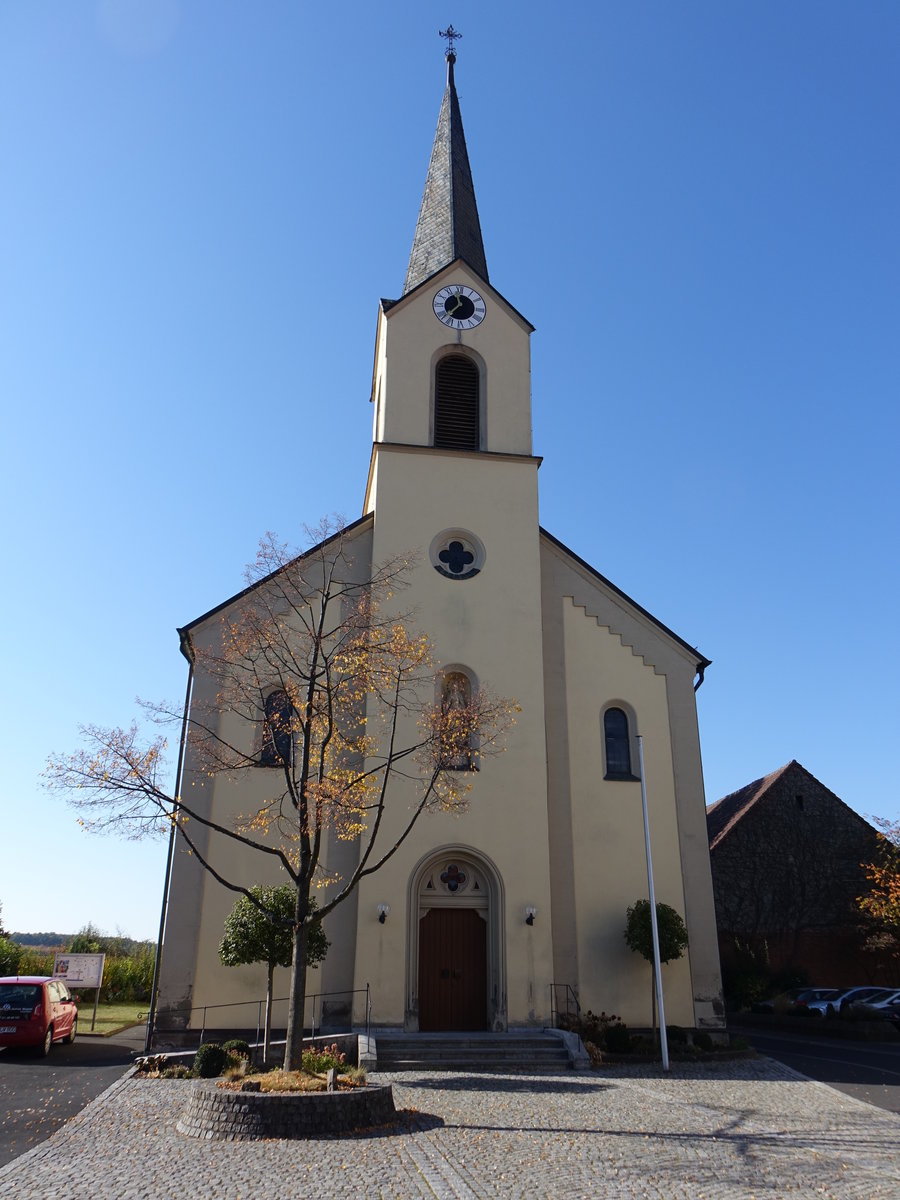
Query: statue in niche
point(455, 699)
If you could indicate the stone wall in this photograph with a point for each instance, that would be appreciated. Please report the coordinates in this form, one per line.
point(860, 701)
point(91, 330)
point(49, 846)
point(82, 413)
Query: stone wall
point(218, 1114)
point(792, 861)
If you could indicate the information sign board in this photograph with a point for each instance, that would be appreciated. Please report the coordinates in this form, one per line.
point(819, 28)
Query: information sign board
point(79, 970)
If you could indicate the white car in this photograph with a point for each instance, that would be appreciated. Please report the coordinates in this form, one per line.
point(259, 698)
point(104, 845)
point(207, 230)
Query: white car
point(840, 998)
point(883, 998)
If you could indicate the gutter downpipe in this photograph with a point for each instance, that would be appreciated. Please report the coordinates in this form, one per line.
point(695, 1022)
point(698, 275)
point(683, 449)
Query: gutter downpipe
point(187, 650)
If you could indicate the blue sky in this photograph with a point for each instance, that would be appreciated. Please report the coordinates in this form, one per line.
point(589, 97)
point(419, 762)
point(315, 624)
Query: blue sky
point(695, 204)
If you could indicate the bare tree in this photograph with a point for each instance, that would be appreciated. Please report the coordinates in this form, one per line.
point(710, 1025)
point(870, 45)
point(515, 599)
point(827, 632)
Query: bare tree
point(316, 674)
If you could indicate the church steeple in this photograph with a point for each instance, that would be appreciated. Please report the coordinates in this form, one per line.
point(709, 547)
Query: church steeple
point(448, 227)
point(436, 345)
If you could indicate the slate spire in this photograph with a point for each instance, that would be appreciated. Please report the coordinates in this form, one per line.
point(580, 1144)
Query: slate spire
point(448, 227)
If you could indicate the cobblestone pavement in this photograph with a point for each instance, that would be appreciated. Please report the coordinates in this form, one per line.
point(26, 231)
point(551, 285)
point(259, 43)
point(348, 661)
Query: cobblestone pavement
point(751, 1128)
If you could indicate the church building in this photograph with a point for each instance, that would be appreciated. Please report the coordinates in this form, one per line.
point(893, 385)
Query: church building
point(486, 919)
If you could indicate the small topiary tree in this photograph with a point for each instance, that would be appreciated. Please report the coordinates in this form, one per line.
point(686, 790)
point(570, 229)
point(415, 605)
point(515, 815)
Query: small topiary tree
point(673, 938)
point(210, 1060)
point(260, 928)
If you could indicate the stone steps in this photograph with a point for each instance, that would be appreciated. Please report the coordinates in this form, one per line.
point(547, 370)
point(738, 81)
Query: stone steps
point(497, 1053)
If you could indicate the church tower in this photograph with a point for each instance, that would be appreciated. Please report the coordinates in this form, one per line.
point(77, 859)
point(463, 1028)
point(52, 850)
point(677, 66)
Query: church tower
point(453, 479)
point(452, 371)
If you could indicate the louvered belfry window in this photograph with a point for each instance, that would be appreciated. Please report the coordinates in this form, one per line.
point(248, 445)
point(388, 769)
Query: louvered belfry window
point(457, 424)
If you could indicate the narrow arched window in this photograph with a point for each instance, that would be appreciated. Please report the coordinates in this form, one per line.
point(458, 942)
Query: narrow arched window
point(278, 731)
point(618, 748)
point(456, 736)
point(457, 417)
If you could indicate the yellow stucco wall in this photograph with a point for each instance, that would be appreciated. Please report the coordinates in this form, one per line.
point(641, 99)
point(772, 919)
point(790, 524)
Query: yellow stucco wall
point(609, 861)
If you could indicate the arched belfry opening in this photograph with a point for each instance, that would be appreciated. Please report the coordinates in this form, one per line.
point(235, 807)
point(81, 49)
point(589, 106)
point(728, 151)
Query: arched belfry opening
point(456, 974)
point(457, 403)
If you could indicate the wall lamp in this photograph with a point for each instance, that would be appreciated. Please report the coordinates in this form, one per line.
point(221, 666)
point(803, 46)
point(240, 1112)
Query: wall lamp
point(383, 910)
point(530, 914)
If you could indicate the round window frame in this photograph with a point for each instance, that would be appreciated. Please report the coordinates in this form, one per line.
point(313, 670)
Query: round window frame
point(472, 543)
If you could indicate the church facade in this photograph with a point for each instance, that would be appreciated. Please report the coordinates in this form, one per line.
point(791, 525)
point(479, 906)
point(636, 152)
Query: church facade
point(478, 917)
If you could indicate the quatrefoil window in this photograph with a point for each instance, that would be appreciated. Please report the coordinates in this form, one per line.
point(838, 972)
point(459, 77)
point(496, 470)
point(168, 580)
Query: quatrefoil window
point(457, 554)
point(453, 878)
point(456, 558)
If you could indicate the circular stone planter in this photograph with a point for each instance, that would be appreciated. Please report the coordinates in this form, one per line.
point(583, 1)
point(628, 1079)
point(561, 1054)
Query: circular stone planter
point(219, 1114)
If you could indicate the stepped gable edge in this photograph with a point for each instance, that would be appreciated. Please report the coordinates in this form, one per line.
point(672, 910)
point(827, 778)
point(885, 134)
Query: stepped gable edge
point(634, 617)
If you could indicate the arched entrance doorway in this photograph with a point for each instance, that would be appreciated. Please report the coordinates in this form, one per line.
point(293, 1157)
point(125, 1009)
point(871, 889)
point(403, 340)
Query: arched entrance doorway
point(456, 961)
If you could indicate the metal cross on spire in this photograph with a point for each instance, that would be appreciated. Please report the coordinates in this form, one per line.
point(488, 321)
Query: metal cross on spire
point(451, 35)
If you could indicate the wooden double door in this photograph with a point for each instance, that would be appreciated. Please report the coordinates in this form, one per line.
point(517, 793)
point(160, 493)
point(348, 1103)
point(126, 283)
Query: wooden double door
point(452, 970)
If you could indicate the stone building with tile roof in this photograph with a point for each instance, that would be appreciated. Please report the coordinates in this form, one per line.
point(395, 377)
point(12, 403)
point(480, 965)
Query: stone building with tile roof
point(477, 918)
point(786, 857)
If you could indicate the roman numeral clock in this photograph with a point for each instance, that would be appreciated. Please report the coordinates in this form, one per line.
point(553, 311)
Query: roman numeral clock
point(459, 307)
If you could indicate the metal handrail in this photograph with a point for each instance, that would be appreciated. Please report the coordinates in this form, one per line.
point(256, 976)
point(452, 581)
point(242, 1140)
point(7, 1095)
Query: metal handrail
point(571, 1000)
point(314, 997)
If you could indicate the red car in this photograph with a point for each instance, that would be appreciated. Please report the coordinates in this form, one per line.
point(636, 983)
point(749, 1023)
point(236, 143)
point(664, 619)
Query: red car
point(36, 1010)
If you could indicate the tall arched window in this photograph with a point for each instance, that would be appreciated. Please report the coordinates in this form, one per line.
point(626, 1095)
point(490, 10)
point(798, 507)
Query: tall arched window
point(456, 696)
point(618, 744)
point(457, 417)
point(278, 731)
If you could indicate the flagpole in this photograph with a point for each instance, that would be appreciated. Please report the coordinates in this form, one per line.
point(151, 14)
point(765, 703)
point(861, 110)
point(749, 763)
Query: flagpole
point(664, 1041)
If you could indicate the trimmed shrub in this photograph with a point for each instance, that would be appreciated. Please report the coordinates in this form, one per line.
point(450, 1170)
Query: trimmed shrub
point(209, 1061)
point(238, 1046)
point(703, 1041)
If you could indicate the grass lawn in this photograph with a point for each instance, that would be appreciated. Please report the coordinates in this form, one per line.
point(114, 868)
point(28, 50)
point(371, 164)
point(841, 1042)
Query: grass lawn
point(111, 1018)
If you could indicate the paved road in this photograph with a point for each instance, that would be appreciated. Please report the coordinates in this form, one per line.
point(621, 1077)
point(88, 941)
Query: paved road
point(869, 1071)
point(730, 1131)
point(38, 1094)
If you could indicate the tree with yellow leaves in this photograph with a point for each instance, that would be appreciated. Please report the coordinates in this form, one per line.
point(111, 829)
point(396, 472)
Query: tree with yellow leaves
point(316, 673)
point(883, 900)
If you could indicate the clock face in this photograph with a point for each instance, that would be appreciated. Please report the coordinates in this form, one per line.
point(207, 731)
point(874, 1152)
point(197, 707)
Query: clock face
point(459, 307)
